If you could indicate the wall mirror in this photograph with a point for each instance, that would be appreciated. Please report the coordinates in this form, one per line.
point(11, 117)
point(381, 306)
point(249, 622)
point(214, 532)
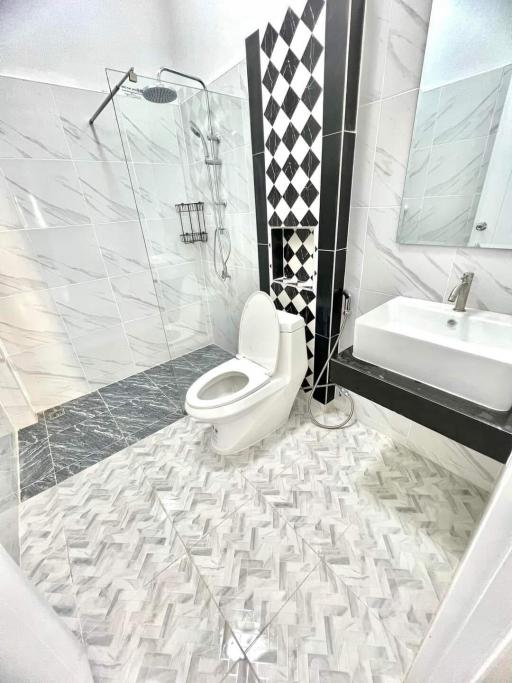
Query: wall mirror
point(458, 188)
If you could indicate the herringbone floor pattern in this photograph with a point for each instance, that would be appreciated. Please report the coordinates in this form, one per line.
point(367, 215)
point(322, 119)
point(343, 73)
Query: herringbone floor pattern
point(314, 557)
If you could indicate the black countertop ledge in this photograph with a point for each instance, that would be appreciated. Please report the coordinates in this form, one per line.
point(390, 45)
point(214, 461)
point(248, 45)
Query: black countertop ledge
point(484, 430)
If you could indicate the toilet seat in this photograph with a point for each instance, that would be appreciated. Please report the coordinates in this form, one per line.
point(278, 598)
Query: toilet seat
point(211, 390)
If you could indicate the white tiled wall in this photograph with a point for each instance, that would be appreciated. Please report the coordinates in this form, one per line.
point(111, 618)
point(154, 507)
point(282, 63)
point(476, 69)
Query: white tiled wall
point(377, 267)
point(75, 282)
point(78, 306)
point(9, 487)
point(229, 102)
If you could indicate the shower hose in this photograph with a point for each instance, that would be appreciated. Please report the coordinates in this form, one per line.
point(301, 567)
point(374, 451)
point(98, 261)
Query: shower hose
point(344, 317)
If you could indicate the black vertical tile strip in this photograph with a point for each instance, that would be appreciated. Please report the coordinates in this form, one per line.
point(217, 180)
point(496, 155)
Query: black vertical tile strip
point(276, 237)
point(354, 61)
point(252, 51)
point(331, 151)
point(337, 290)
point(324, 292)
point(347, 164)
point(336, 45)
point(260, 196)
point(264, 267)
point(323, 345)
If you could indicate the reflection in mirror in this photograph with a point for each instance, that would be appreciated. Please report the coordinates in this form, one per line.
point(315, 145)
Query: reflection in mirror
point(458, 187)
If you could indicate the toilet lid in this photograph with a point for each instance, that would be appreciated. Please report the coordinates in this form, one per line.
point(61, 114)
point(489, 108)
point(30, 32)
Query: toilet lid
point(258, 339)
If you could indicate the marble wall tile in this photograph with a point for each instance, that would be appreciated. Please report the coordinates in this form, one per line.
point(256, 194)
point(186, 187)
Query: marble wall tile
point(466, 107)
point(14, 400)
point(188, 328)
point(105, 357)
point(180, 285)
point(87, 307)
point(228, 123)
point(392, 150)
point(10, 217)
point(232, 82)
point(28, 320)
point(492, 286)
point(47, 193)
point(418, 169)
point(373, 60)
point(444, 218)
point(454, 168)
point(51, 374)
point(242, 236)
point(194, 108)
point(122, 246)
point(355, 247)
point(135, 295)
point(465, 462)
point(368, 118)
point(29, 127)
point(426, 115)
point(148, 342)
point(67, 255)
point(408, 28)
point(107, 190)
point(506, 76)
point(404, 270)
point(164, 239)
point(21, 271)
point(236, 181)
point(100, 142)
point(390, 423)
point(151, 130)
point(158, 188)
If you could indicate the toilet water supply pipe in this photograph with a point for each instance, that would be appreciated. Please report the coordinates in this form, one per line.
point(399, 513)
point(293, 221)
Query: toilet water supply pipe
point(345, 313)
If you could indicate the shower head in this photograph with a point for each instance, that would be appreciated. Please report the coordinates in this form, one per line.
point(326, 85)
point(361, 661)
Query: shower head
point(159, 94)
point(195, 129)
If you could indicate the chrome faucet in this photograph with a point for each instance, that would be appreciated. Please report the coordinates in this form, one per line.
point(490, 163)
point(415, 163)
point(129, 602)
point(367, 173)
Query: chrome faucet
point(459, 294)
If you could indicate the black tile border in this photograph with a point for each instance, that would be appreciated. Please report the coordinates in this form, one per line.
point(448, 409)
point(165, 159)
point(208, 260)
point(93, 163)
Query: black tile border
point(329, 182)
point(277, 241)
point(337, 20)
point(357, 13)
point(252, 51)
point(486, 431)
point(260, 196)
point(323, 346)
point(345, 188)
point(264, 267)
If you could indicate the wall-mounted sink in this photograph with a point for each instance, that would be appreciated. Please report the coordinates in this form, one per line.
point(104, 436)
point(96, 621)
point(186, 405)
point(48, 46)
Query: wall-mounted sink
point(468, 354)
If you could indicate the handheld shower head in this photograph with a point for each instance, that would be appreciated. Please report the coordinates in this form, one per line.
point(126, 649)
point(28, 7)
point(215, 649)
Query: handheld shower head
point(199, 134)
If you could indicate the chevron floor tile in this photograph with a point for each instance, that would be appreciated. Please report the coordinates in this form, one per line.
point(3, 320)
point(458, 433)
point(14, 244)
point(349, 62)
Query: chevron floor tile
point(316, 556)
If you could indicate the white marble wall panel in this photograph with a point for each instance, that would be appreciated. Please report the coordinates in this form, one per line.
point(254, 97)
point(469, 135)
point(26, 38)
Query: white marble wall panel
point(87, 307)
point(122, 247)
point(147, 342)
point(135, 295)
point(29, 132)
point(9, 487)
point(47, 193)
point(188, 328)
point(105, 356)
point(107, 190)
point(377, 267)
point(159, 187)
point(100, 142)
point(75, 268)
point(51, 374)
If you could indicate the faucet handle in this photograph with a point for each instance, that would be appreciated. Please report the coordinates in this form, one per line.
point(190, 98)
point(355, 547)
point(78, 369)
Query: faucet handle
point(467, 278)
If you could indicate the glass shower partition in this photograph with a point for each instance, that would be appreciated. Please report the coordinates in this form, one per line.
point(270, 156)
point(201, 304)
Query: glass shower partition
point(169, 177)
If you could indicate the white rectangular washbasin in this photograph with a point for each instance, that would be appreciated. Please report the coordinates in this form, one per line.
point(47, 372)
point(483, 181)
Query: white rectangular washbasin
point(467, 354)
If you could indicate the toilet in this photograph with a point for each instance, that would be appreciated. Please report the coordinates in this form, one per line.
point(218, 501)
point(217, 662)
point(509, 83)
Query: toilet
point(250, 396)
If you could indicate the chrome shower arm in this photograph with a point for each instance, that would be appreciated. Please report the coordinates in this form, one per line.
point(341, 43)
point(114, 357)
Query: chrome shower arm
point(130, 74)
point(211, 135)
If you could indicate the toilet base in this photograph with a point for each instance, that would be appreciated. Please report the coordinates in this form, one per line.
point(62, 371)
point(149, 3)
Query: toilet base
point(246, 430)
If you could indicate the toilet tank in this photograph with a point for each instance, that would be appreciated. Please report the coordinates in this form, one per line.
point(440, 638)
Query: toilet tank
point(293, 359)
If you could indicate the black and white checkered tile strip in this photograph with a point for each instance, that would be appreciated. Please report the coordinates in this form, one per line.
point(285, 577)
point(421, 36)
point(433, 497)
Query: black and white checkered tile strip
point(298, 254)
point(292, 64)
point(300, 302)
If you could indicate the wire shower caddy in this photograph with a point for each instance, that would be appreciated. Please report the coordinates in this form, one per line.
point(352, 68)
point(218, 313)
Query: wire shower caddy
point(193, 228)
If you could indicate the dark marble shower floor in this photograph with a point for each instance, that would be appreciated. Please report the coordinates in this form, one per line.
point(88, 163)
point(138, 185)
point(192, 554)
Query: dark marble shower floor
point(75, 435)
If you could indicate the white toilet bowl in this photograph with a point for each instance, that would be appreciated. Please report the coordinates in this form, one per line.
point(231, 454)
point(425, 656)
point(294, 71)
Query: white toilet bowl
point(248, 397)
